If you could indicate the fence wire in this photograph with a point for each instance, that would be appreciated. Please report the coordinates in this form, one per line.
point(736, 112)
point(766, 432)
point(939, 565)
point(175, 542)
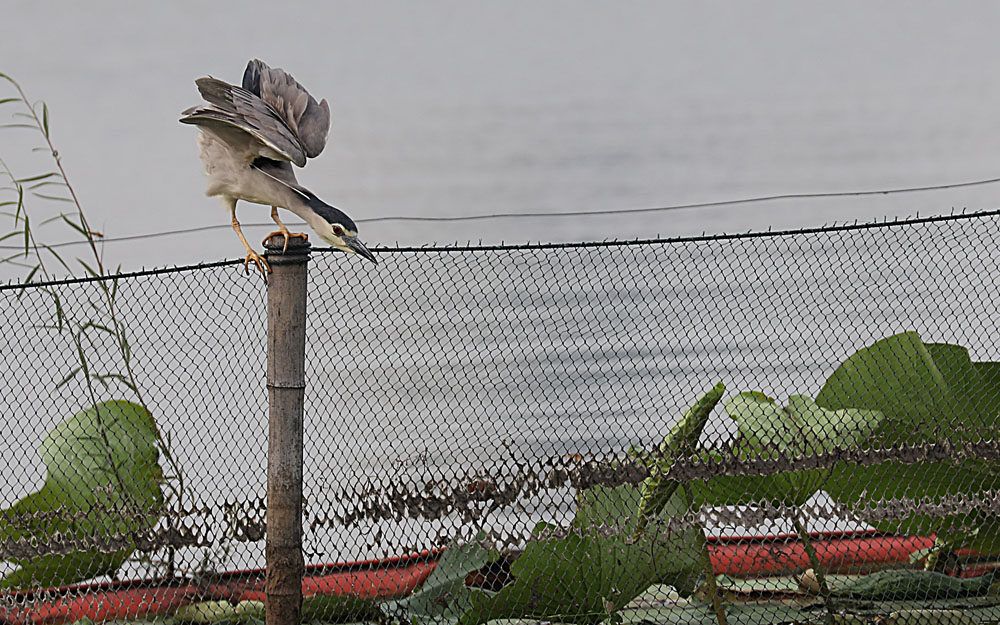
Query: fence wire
point(779, 427)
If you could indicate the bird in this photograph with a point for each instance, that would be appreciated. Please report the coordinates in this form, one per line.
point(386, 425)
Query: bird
point(250, 136)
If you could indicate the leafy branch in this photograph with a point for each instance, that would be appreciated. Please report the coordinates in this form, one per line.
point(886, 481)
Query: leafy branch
point(39, 259)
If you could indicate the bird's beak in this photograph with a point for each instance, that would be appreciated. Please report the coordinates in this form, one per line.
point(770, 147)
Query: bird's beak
point(355, 245)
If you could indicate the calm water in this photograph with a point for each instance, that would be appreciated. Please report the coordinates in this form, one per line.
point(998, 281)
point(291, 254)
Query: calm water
point(456, 109)
point(447, 108)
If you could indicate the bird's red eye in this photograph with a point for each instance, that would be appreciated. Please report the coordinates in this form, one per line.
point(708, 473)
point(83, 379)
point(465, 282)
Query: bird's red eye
point(337, 230)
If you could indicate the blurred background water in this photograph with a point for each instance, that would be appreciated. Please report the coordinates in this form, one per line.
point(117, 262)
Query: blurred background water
point(450, 109)
point(454, 108)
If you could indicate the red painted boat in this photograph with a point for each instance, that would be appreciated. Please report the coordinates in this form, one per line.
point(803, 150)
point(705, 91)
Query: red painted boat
point(392, 577)
point(762, 556)
point(756, 556)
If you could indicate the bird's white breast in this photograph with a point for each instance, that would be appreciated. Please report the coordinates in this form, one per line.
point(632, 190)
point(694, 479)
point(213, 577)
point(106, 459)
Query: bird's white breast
point(230, 173)
point(221, 165)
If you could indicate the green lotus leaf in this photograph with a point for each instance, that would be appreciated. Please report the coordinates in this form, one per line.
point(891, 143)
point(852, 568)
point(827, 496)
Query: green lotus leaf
point(102, 487)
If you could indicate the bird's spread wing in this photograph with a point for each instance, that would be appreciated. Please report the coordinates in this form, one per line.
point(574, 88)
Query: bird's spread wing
point(307, 118)
point(233, 109)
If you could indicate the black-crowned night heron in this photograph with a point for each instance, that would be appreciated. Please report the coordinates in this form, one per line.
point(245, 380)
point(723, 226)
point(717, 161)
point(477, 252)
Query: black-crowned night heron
point(249, 138)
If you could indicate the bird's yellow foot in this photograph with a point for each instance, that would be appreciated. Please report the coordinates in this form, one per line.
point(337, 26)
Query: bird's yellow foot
point(288, 235)
point(259, 261)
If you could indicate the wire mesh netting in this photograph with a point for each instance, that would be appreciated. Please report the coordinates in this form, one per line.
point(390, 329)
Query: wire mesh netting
point(780, 427)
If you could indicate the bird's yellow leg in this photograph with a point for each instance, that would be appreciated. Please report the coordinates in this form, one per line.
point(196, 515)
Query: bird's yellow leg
point(257, 259)
point(284, 230)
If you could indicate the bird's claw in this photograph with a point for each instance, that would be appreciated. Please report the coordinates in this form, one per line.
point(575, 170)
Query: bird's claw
point(288, 236)
point(259, 261)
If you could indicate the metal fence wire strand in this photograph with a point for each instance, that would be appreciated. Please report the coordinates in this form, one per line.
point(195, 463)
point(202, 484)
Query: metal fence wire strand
point(776, 427)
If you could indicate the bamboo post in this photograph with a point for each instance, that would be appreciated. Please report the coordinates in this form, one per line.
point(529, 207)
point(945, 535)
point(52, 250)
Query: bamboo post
point(286, 340)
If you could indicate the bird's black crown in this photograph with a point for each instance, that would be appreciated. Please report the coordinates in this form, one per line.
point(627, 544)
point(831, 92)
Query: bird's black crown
point(331, 214)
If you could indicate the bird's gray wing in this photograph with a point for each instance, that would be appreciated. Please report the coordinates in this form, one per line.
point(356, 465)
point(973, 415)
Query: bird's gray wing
point(307, 118)
point(236, 108)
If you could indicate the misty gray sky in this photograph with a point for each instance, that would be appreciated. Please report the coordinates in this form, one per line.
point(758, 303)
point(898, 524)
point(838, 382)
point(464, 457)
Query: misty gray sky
point(457, 108)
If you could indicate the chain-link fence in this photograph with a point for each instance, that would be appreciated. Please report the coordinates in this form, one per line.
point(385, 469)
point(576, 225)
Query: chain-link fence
point(544, 432)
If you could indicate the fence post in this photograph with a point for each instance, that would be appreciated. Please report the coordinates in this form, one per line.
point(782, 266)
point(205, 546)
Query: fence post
point(286, 344)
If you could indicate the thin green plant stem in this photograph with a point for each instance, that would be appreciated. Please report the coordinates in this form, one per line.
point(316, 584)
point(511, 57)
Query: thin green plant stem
point(76, 338)
point(706, 564)
point(824, 590)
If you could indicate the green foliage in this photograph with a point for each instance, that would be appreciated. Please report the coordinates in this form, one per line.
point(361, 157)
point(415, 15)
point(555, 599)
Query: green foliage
point(895, 585)
point(897, 376)
point(929, 393)
point(209, 612)
point(681, 440)
point(800, 428)
point(595, 569)
point(769, 431)
point(608, 556)
point(444, 594)
point(103, 482)
point(315, 609)
point(338, 609)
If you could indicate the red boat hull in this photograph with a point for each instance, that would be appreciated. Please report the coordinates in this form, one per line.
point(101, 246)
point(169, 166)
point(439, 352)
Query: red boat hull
point(395, 577)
